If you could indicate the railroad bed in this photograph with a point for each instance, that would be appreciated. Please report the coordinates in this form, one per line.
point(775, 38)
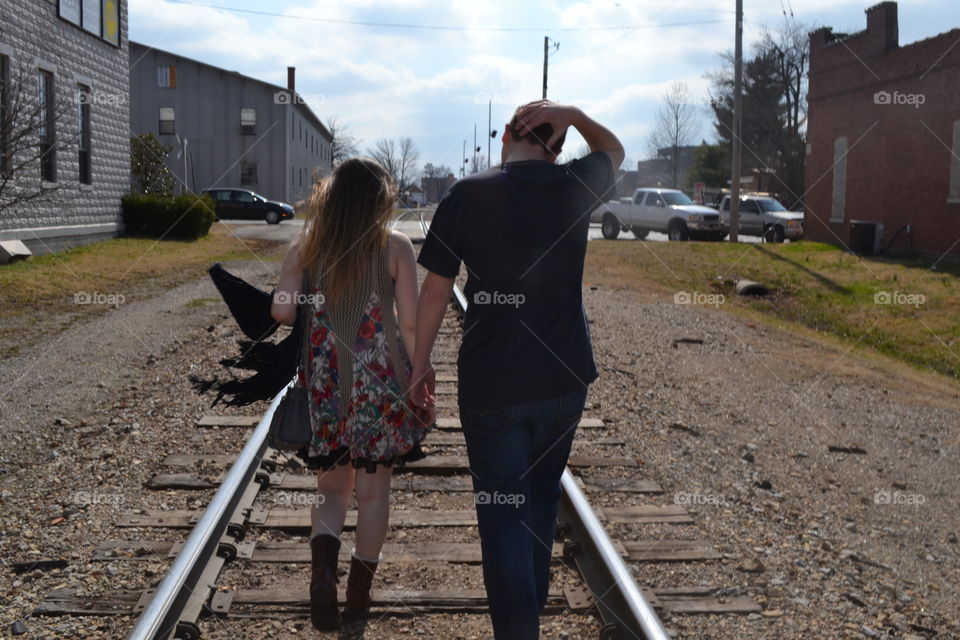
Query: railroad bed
point(253, 581)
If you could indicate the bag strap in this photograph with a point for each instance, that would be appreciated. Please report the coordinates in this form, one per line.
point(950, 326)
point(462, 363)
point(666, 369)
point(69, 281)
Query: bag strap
point(303, 312)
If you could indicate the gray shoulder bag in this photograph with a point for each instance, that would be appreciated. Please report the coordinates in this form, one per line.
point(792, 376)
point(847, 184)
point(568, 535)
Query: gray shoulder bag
point(290, 428)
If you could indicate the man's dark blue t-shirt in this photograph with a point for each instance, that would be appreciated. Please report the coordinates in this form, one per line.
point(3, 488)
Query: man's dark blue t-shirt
point(521, 230)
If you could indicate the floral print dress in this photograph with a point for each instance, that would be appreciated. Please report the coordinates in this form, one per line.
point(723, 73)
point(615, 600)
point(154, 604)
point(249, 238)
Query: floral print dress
point(378, 425)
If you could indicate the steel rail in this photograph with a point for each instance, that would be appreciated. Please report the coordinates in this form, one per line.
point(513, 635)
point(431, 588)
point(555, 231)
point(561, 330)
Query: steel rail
point(620, 601)
point(159, 619)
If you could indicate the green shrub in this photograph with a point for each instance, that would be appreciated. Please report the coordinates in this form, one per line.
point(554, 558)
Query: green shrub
point(184, 217)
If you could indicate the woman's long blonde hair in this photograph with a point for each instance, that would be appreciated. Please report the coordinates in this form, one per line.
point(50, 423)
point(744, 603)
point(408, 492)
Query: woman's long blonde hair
point(347, 216)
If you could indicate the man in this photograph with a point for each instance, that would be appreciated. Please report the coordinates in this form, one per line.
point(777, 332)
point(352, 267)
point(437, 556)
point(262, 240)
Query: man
point(526, 359)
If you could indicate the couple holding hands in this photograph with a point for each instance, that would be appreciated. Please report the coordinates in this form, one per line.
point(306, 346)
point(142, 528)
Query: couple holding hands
point(524, 365)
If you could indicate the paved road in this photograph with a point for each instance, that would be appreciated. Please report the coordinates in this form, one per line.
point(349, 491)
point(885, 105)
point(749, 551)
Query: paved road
point(288, 229)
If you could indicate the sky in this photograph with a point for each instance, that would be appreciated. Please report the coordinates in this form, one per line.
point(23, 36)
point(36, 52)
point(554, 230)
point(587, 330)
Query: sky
point(428, 69)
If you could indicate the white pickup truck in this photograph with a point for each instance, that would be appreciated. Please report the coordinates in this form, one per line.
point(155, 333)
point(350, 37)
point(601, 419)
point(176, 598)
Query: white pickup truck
point(664, 210)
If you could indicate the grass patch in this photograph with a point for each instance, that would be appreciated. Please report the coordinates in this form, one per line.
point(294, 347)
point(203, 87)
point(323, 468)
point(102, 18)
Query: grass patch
point(51, 292)
point(900, 307)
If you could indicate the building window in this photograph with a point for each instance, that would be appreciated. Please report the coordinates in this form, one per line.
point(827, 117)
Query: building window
point(98, 17)
point(166, 76)
point(47, 132)
point(168, 121)
point(293, 176)
point(955, 165)
point(83, 134)
point(92, 17)
point(5, 124)
point(839, 180)
point(248, 173)
point(248, 121)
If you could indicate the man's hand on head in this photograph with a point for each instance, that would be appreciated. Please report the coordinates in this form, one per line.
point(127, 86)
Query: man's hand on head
point(559, 116)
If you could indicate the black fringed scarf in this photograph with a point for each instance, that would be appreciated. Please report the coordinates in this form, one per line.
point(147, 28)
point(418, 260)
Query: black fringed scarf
point(275, 363)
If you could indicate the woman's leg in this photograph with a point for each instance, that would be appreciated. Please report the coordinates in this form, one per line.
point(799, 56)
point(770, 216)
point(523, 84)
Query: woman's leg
point(334, 489)
point(373, 510)
point(373, 514)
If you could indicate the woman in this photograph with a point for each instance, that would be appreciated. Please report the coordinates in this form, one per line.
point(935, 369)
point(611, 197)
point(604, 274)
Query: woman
point(358, 373)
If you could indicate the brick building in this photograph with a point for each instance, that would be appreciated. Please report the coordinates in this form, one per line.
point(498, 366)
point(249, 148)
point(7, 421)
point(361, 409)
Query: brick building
point(884, 138)
point(64, 146)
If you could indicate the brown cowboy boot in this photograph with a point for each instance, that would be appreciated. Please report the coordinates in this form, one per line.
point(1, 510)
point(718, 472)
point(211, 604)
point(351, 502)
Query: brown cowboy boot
point(325, 551)
point(358, 587)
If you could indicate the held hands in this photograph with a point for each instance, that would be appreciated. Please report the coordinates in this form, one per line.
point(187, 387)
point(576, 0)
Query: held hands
point(423, 384)
point(558, 115)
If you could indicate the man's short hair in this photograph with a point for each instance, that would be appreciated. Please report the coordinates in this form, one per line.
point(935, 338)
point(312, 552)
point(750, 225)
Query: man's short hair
point(540, 134)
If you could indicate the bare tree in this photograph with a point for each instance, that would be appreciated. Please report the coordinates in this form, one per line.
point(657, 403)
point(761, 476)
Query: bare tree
point(407, 157)
point(344, 145)
point(435, 181)
point(385, 152)
point(676, 124)
point(35, 126)
point(399, 158)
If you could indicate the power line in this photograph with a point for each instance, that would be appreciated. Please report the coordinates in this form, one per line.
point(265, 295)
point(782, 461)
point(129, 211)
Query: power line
point(435, 27)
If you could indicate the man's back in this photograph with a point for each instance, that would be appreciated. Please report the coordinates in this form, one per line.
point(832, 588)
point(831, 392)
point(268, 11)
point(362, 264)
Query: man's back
point(521, 230)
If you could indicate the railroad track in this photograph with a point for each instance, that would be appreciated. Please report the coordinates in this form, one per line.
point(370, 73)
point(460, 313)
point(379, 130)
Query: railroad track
point(241, 528)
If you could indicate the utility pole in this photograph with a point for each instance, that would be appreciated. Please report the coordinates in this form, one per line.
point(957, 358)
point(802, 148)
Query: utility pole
point(463, 164)
point(737, 119)
point(489, 130)
point(546, 43)
point(475, 148)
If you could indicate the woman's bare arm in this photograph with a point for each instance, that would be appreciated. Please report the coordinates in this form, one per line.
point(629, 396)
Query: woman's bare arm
point(284, 306)
point(403, 269)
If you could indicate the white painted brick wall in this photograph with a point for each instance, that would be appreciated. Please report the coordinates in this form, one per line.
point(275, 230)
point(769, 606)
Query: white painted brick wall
point(35, 33)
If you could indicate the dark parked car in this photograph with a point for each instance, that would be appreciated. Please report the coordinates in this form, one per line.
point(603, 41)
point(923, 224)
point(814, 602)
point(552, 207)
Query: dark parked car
point(247, 205)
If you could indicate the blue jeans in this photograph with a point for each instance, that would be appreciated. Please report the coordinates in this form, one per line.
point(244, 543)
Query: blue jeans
point(517, 455)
